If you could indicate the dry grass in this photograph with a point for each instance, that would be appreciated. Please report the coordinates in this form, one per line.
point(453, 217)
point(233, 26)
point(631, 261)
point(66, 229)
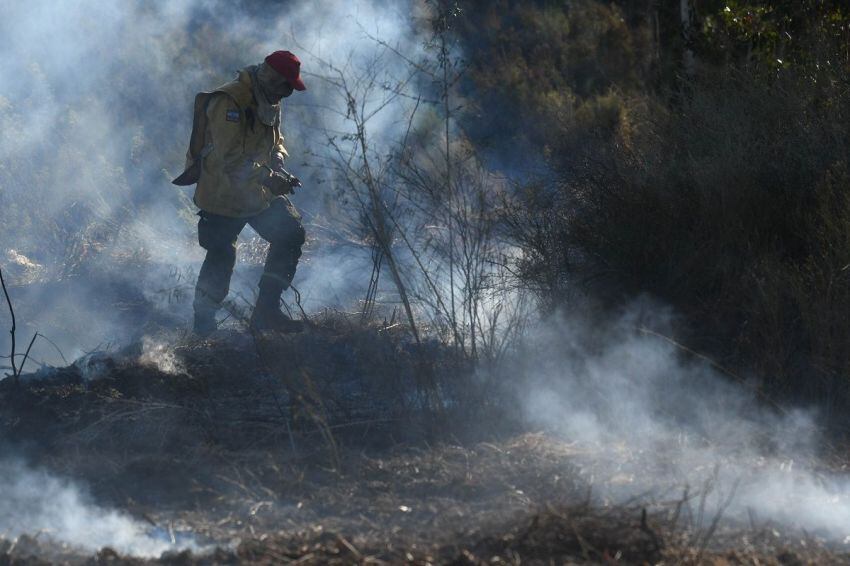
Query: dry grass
point(216, 450)
point(515, 501)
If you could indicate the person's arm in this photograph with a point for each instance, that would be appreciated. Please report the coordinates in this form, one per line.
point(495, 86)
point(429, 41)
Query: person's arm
point(279, 153)
point(282, 181)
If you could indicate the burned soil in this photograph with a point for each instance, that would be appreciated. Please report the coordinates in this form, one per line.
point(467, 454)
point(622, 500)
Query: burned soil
point(345, 444)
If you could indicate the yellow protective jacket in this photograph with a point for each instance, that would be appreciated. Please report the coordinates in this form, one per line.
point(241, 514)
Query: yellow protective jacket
point(237, 151)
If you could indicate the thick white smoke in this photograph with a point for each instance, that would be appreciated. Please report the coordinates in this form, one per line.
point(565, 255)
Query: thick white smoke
point(35, 502)
point(95, 104)
point(95, 114)
point(652, 423)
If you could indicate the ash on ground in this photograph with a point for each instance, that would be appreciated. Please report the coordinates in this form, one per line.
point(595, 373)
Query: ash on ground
point(344, 444)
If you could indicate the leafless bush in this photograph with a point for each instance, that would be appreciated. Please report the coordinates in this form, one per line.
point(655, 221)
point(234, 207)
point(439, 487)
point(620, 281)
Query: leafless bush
point(423, 199)
point(13, 355)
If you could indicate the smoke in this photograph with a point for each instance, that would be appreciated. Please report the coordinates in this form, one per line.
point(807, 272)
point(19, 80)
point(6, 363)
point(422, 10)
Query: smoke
point(159, 354)
point(37, 502)
point(95, 110)
point(652, 424)
point(95, 114)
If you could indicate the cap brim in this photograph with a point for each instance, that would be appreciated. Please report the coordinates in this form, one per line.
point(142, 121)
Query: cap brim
point(298, 84)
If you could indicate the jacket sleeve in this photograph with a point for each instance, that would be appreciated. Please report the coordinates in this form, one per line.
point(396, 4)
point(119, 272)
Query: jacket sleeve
point(279, 147)
point(224, 154)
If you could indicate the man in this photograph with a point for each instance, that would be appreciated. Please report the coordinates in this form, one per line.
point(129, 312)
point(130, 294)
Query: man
point(236, 156)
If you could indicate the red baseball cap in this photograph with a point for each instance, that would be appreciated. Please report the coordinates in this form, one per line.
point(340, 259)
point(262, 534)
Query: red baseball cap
point(289, 67)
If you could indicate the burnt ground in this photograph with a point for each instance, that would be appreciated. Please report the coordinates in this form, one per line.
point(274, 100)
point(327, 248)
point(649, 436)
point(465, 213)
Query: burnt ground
point(345, 444)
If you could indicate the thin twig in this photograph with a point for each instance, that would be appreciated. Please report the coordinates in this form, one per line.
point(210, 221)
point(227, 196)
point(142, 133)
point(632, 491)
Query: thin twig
point(27, 353)
point(716, 521)
point(297, 294)
point(52, 343)
point(715, 365)
point(13, 329)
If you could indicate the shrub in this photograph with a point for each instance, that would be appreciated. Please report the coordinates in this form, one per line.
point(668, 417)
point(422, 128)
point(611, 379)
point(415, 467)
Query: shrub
point(731, 206)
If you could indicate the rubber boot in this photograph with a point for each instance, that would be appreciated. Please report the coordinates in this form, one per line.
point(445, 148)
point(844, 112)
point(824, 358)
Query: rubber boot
point(204, 323)
point(267, 314)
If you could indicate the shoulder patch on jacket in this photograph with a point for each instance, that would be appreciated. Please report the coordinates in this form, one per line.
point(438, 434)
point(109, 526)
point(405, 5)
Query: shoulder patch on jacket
point(232, 115)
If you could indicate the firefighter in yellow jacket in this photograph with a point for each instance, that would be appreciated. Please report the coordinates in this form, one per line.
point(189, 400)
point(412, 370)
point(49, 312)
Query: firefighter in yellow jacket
point(236, 156)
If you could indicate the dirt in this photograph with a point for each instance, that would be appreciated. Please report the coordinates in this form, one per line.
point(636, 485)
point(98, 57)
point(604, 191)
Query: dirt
point(336, 446)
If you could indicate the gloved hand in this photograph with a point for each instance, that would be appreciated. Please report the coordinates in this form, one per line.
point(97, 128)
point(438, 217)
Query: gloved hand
point(280, 184)
point(276, 162)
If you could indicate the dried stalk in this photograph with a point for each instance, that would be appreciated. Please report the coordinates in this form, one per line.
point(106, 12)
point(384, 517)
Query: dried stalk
point(13, 331)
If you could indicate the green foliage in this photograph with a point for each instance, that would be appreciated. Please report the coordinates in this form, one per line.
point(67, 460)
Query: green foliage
point(535, 66)
point(733, 208)
point(775, 34)
point(725, 195)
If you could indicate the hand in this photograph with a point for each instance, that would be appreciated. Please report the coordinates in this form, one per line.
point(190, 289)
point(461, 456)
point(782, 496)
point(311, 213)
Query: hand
point(280, 184)
point(276, 162)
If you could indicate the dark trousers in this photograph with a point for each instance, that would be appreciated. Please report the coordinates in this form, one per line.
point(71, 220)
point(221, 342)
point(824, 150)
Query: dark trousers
point(280, 225)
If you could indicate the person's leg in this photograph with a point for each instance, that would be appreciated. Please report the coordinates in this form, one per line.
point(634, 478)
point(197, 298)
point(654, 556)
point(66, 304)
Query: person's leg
point(280, 225)
point(216, 234)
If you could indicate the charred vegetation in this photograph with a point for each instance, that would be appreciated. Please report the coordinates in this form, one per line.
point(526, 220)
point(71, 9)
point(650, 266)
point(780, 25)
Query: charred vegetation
point(623, 223)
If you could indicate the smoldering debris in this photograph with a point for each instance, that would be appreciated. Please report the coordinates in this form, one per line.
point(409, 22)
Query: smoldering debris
point(485, 503)
point(36, 502)
point(234, 389)
point(273, 445)
point(158, 352)
point(659, 423)
point(635, 420)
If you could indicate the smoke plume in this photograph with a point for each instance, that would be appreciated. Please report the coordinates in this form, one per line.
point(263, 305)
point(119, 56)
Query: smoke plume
point(95, 110)
point(95, 114)
point(653, 423)
point(36, 502)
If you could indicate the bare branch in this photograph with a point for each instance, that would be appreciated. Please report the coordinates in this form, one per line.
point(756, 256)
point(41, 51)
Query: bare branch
point(13, 329)
point(27, 353)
